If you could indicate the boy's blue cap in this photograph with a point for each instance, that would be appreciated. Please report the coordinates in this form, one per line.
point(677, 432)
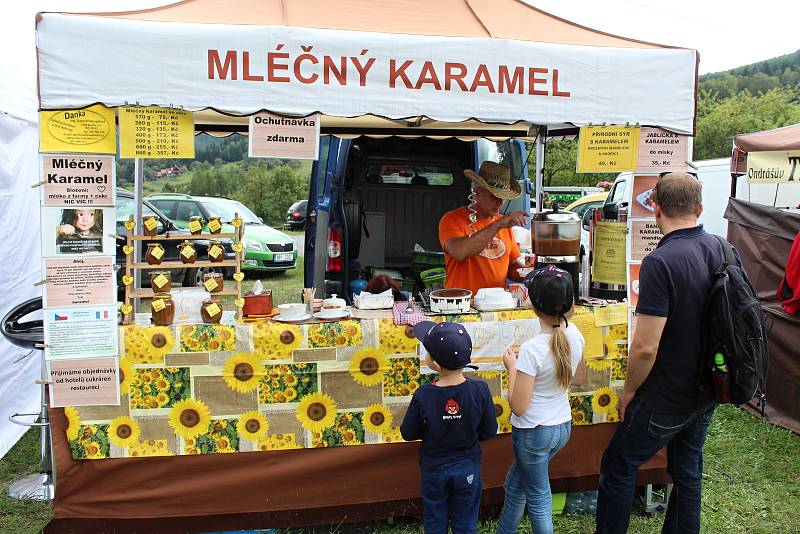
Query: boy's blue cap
point(449, 344)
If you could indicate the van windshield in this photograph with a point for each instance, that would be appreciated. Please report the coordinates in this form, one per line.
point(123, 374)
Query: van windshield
point(387, 172)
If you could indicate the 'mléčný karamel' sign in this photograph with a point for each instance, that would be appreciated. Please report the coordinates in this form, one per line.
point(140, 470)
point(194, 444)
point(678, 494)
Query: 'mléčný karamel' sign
point(70, 180)
point(274, 136)
point(776, 167)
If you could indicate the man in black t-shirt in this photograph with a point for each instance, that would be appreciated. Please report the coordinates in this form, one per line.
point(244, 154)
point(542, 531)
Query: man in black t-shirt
point(661, 404)
point(450, 416)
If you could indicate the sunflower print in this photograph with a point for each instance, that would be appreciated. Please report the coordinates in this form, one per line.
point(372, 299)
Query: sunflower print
point(124, 431)
point(242, 372)
point(158, 388)
point(619, 369)
point(126, 373)
point(605, 401)
point(287, 383)
point(368, 366)
point(221, 438)
point(275, 442)
point(73, 423)
point(150, 447)
point(316, 412)
point(207, 337)
point(91, 443)
point(347, 429)
point(148, 344)
point(396, 339)
point(252, 426)
point(392, 435)
point(189, 418)
point(273, 341)
point(502, 412)
point(403, 377)
point(598, 364)
point(338, 334)
point(377, 418)
point(515, 315)
point(581, 407)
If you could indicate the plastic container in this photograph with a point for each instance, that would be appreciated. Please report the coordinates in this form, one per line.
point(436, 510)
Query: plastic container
point(433, 278)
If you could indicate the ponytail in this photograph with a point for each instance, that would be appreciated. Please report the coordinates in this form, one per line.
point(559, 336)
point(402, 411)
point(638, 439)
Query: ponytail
point(562, 356)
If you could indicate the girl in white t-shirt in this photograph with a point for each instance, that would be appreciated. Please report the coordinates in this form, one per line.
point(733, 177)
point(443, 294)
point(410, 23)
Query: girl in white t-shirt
point(538, 383)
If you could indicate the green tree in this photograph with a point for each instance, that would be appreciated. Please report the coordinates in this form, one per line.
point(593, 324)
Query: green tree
point(270, 192)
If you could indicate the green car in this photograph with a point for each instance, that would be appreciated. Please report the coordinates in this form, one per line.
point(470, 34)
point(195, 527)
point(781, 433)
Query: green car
point(265, 248)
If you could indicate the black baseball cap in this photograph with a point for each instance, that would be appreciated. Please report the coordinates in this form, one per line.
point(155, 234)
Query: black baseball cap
point(448, 344)
point(550, 290)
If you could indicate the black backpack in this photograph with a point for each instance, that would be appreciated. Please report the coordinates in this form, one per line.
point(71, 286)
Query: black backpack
point(735, 326)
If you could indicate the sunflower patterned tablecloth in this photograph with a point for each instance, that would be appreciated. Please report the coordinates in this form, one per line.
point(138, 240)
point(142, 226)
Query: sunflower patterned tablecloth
point(229, 388)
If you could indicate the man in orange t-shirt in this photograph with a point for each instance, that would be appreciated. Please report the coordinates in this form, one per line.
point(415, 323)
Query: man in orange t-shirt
point(481, 251)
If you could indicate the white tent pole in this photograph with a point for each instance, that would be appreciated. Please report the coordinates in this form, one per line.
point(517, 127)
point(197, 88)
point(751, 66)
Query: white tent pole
point(540, 167)
point(138, 195)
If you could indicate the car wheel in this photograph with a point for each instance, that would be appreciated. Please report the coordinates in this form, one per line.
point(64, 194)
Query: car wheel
point(194, 277)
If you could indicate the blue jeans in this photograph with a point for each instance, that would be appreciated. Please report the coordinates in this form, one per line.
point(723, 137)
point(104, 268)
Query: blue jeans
point(451, 496)
point(637, 439)
point(527, 481)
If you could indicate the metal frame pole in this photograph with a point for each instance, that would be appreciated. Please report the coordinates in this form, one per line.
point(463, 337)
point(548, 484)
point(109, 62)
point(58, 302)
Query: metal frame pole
point(138, 195)
point(540, 145)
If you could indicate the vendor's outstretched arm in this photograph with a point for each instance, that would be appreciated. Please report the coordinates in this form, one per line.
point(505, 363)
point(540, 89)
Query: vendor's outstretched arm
point(461, 248)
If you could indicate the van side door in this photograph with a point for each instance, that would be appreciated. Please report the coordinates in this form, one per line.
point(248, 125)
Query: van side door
point(318, 212)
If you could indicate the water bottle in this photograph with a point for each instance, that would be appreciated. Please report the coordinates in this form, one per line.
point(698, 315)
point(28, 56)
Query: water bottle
point(721, 378)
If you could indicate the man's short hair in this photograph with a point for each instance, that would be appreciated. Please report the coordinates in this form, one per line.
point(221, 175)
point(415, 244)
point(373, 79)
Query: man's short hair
point(678, 194)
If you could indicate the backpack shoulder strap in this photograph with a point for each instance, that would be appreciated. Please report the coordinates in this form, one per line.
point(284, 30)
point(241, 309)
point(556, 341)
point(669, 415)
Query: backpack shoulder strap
point(727, 250)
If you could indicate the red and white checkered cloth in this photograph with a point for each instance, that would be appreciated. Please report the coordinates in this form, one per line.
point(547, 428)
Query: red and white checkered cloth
point(401, 317)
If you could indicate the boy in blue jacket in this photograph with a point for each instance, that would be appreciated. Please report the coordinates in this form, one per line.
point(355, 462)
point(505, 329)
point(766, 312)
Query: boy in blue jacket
point(450, 416)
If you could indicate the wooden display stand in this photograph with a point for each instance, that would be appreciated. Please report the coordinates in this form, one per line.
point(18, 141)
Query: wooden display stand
point(133, 293)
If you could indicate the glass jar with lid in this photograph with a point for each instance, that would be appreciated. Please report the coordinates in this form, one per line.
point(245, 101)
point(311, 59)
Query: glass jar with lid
point(162, 309)
point(216, 253)
point(213, 282)
point(211, 310)
point(154, 254)
point(188, 252)
point(214, 225)
point(161, 281)
point(196, 224)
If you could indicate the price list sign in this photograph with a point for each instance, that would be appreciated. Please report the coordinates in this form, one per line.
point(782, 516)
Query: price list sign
point(154, 132)
point(608, 148)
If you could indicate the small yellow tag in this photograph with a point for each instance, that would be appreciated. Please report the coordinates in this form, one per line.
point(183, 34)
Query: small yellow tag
point(187, 252)
point(214, 251)
point(158, 305)
point(195, 226)
point(236, 222)
point(214, 226)
point(213, 309)
point(127, 280)
point(157, 252)
point(238, 276)
point(126, 309)
point(239, 302)
point(150, 223)
point(127, 249)
point(210, 285)
point(130, 225)
point(160, 281)
point(237, 247)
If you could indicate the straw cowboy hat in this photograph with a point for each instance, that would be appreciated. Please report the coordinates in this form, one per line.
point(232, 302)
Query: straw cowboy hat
point(496, 179)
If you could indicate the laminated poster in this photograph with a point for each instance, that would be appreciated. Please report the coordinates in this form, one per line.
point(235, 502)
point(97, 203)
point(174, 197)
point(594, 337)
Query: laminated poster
point(79, 281)
point(273, 136)
point(645, 237)
point(89, 130)
point(608, 148)
point(71, 180)
point(80, 332)
point(611, 314)
point(153, 132)
point(592, 335)
point(660, 151)
point(78, 231)
point(84, 382)
point(610, 240)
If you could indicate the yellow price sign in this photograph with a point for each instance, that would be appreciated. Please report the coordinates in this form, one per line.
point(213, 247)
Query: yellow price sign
point(150, 223)
point(187, 251)
point(195, 226)
point(215, 251)
point(158, 305)
point(157, 252)
point(160, 281)
point(213, 309)
point(153, 132)
point(88, 130)
point(608, 148)
point(214, 226)
point(210, 285)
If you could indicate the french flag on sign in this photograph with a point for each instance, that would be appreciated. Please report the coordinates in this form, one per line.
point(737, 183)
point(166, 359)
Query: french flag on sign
point(60, 317)
point(101, 315)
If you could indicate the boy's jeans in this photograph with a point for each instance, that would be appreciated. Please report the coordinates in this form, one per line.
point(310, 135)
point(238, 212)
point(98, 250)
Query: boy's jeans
point(451, 496)
point(637, 439)
point(527, 481)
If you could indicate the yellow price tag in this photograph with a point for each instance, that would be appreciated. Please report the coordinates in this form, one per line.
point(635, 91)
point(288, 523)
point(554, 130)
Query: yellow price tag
point(213, 309)
point(150, 223)
point(126, 309)
point(215, 251)
point(237, 247)
point(157, 252)
point(130, 225)
point(214, 225)
point(210, 285)
point(239, 302)
point(238, 276)
point(127, 280)
point(160, 281)
point(158, 305)
point(195, 226)
point(187, 251)
point(236, 222)
point(127, 249)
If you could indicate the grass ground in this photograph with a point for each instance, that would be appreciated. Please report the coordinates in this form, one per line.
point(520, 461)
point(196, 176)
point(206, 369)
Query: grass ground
point(751, 486)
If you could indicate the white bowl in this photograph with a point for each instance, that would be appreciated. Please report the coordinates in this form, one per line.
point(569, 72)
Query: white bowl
point(292, 310)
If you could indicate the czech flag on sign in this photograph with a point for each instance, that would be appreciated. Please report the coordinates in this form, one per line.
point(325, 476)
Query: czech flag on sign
point(61, 317)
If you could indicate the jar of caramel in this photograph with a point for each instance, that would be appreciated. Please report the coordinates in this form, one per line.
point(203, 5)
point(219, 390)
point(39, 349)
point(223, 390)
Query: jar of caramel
point(188, 252)
point(211, 311)
point(196, 225)
point(213, 282)
point(214, 225)
point(215, 252)
point(161, 282)
point(150, 225)
point(163, 309)
point(154, 254)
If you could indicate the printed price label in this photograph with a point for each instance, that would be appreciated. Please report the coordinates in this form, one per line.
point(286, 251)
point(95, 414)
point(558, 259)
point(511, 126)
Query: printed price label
point(157, 252)
point(150, 223)
point(158, 305)
point(210, 285)
point(195, 226)
point(213, 309)
point(215, 251)
point(187, 251)
point(214, 225)
point(160, 281)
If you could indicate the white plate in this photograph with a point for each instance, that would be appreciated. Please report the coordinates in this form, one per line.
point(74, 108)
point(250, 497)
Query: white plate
point(341, 315)
point(491, 306)
point(299, 319)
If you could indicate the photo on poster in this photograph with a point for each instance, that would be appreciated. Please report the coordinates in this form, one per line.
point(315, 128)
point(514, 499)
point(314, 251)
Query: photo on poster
point(78, 231)
point(642, 202)
point(633, 283)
